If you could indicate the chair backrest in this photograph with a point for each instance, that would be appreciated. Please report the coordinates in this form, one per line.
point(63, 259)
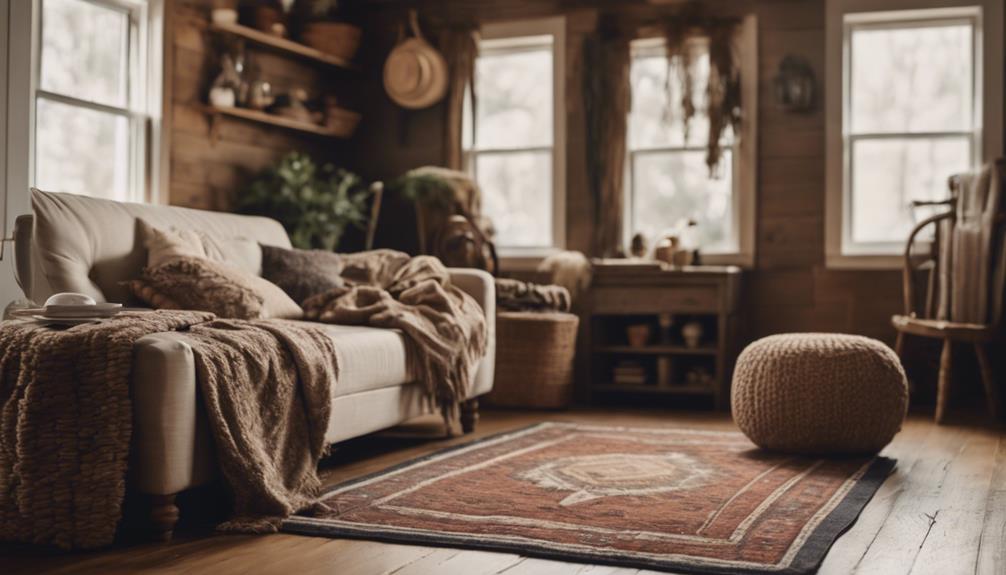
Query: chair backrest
point(972, 253)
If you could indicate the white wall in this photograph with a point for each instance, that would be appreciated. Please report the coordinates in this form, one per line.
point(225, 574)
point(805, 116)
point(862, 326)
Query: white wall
point(15, 128)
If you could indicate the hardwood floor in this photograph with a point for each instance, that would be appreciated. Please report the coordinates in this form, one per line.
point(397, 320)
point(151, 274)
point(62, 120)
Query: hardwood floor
point(943, 511)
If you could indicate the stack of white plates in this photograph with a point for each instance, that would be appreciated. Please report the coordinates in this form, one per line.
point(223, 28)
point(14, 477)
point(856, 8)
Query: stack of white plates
point(72, 314)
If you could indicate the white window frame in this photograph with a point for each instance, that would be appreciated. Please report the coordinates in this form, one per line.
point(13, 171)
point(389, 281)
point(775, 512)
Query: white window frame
point(15, 137)
point(145, 99)
point(987, 135)
point(744, 175)
point(517, 257)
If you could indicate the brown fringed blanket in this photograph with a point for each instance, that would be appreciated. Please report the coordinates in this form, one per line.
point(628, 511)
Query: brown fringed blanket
point(444, 328)
point(66, 419)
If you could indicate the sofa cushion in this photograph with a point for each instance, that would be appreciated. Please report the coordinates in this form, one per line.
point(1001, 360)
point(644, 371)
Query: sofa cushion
point(369, 358)
point(91, 245)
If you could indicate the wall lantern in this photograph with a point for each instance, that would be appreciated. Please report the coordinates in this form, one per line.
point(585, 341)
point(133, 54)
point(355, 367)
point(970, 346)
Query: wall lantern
point(794, 85)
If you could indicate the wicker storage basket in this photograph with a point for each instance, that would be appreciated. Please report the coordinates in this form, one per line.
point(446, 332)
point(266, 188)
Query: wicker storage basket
point(334, 38)
point(534, 359)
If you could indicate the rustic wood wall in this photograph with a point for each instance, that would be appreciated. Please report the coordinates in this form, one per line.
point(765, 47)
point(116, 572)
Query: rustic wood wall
point(208, 174)
point(789, 288)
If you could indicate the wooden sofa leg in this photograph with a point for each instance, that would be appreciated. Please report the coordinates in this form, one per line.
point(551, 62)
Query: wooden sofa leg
point(943, 383)
point(469, 415)
point(163, 516)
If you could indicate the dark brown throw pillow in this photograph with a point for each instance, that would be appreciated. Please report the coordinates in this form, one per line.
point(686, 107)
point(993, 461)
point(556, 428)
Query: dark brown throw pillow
point(302, 273)
point(200, 284)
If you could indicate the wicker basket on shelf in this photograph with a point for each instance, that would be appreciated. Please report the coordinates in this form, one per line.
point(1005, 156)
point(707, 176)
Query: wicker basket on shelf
point(534, 359)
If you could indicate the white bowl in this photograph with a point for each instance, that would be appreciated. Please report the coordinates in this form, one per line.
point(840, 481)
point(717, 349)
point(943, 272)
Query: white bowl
point(70, 298)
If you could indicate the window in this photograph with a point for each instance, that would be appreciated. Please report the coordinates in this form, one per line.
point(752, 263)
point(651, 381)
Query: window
point(513, 138)
point(667, 180)
point(911, 116)
point(92, 111)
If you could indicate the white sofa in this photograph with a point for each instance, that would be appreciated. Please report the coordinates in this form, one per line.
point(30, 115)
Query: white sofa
point(87, 245)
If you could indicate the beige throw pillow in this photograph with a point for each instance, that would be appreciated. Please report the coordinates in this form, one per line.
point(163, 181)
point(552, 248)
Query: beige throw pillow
point(193, 283)
point(164, 244)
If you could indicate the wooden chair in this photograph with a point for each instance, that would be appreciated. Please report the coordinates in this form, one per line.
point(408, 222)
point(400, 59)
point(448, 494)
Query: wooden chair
point(964, 273)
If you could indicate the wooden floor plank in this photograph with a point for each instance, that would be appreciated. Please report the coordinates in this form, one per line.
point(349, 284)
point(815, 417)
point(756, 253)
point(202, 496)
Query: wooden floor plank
point(939, 469)
point(608, 570)
point(907, 448)
point(896, 545)
point(992, 547)
point(959, 515)
point(534, 566)
point(461, 562)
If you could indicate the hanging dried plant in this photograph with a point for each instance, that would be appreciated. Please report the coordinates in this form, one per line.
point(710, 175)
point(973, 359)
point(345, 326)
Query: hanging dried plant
point(723, 86)
point(723, 93)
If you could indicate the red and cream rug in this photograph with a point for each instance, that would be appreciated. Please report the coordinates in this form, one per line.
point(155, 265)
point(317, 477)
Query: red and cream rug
point(657, 498)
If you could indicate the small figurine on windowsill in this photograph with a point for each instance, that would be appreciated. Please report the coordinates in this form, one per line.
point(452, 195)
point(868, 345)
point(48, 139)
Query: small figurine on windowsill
point(638, 247)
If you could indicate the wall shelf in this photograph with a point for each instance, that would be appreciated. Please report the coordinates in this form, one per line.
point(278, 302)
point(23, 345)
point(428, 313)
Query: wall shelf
point(274, 120)
point(282, 45)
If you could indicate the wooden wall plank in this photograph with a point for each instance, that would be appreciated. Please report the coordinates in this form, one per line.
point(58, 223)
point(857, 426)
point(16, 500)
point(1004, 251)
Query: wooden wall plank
point(207, 174)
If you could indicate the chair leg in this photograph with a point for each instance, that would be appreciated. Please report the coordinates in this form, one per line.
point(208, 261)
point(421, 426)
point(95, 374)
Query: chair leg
point(163, 516)
point(469, 415)
point(943, 385)
point(988, 379)
point(899, 346)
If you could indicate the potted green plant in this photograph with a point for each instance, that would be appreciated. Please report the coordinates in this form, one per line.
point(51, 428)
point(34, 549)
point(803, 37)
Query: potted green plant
point(328, 28)
point(315, 204)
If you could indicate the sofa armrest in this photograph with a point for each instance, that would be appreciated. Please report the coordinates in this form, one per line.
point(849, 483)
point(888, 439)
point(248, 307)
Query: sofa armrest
point(171, 447)
point(481, 286)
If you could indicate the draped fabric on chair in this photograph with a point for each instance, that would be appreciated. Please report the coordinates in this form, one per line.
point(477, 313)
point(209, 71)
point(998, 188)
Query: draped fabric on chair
point(459, 46)
point(607, 96)
point(975, 258)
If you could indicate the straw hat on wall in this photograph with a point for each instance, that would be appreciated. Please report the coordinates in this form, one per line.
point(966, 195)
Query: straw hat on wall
point(415, 74)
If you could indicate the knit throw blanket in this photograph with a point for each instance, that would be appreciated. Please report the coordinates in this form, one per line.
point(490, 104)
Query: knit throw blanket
point(445, 329)
point(66, 419)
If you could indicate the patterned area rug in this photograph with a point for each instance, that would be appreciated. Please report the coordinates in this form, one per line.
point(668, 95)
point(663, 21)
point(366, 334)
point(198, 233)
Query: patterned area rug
point(669, 499)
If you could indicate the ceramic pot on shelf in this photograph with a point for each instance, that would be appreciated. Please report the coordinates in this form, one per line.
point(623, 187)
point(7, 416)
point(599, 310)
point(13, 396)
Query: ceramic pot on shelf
point(692, 333)
point(638, 335)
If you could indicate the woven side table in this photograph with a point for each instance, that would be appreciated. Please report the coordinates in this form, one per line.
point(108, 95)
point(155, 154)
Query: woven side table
point(534, 360)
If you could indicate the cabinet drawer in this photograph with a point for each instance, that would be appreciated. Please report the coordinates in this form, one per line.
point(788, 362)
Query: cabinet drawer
point(655, 300)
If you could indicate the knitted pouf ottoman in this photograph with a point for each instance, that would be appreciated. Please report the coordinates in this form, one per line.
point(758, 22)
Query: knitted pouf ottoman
point(819, 393)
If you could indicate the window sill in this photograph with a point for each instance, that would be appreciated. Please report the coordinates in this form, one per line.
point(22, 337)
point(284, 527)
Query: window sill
point(864, 262)
point(742, 260)
point(523, 260)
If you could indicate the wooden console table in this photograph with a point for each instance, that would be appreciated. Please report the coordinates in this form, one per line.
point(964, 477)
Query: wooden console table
point(665, 300)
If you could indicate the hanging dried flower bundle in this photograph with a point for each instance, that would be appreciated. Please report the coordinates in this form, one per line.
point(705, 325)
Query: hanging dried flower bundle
point(723, 95)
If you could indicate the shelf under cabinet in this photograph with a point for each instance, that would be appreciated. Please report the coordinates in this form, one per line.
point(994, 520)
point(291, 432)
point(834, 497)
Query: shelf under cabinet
point(657, 350)
point(655, 389)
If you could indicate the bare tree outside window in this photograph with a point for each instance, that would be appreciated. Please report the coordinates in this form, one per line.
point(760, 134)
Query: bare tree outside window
point(667, 173)
point(87, 133)
point(910, 122)
point(509, 138)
